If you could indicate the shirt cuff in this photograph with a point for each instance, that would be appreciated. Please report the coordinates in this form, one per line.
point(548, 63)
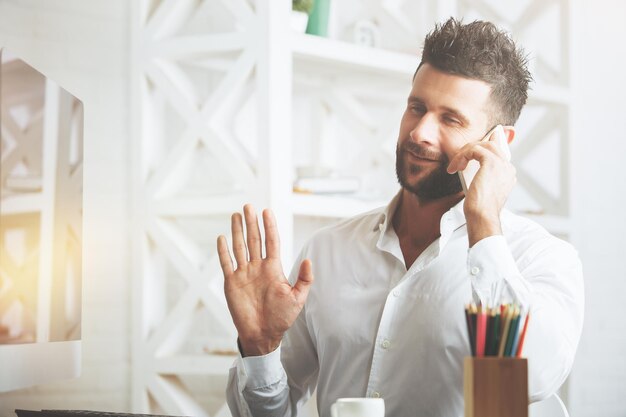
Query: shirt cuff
point(489, 262)
point(261, 371)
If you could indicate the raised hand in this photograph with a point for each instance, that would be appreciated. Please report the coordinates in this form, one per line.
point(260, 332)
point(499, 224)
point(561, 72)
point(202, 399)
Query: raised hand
point(261, 301)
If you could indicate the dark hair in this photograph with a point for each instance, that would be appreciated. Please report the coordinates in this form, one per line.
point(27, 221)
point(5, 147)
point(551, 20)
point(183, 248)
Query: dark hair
point(481, 51)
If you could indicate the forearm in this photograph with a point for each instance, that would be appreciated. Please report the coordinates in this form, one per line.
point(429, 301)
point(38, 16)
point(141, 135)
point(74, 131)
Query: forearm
point(482, 225)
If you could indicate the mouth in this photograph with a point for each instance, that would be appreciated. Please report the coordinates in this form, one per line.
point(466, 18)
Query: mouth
point(420, 158)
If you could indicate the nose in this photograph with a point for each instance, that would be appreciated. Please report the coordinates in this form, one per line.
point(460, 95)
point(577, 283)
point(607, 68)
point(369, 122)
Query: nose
point(426, 130)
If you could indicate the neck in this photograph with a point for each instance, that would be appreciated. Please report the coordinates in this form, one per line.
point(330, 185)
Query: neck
point(419, 221)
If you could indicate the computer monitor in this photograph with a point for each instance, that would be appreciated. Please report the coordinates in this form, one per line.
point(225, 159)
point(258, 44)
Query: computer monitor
point(41, 183)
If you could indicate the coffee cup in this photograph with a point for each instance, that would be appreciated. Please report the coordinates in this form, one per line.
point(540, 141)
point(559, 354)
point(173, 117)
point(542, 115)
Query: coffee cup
point(358, 407)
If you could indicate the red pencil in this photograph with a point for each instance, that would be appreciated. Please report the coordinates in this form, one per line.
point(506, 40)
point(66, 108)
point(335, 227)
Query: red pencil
point(520, 346)
point(481, 331)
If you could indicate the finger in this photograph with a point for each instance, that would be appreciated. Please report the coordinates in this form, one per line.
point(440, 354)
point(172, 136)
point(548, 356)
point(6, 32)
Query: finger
point(226, 262)
point(495, 148)
point(460, 160)
point(272, 240)
point(478, 151)
point(253, 234)
point(304, 282)
point(239, 246)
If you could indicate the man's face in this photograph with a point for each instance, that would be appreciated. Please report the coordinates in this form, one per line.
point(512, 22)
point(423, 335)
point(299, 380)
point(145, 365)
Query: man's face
point(443, 113)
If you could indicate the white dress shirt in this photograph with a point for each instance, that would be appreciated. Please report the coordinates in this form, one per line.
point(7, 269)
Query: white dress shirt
point(372, 328)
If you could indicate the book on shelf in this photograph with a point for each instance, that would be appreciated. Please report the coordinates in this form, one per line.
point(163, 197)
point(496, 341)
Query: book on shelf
point(326, 185)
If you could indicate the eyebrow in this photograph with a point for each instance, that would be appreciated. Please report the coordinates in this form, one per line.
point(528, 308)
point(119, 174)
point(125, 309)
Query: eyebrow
point(458, 114)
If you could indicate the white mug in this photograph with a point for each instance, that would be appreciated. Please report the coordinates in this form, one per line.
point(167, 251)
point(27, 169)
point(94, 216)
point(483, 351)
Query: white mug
point(358, 407)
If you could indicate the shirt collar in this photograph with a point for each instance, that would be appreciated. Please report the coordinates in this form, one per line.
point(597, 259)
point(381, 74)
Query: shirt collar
point(384, 220)
point(450, 221)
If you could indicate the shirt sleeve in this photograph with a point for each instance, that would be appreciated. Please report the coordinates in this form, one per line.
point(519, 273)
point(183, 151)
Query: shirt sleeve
point(279, 383)
point(545, 277)
point(257, 386)
point(494, 273)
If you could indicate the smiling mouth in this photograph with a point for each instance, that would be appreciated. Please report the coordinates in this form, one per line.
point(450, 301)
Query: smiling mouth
point(421, 157)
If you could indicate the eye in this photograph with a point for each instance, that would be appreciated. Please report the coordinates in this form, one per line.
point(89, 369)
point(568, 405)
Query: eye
point(417, 108)
point(452, 120)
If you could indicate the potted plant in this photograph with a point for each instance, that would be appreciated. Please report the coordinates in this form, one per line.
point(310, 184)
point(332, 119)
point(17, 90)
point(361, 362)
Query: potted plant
point(300, 14)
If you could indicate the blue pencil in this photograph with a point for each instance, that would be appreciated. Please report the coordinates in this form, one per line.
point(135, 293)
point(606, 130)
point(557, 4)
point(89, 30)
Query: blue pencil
point(516, 336)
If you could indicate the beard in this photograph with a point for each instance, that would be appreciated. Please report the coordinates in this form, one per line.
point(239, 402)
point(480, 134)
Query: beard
point(435, 184)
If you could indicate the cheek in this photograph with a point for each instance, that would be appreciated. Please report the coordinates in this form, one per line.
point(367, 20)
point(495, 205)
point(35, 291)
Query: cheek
point(452, 145)
point(407, 123)
point(404, 126)
point(451, 149)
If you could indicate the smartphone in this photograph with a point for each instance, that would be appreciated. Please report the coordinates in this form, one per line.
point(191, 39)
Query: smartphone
point(467, 175)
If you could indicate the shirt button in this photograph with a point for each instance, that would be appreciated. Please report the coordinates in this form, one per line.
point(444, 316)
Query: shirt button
point(386, 344)
point(475, 270)
point(375, 394)
point(396, 293)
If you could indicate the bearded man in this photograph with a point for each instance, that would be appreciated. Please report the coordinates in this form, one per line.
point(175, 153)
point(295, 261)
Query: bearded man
point(384, 317)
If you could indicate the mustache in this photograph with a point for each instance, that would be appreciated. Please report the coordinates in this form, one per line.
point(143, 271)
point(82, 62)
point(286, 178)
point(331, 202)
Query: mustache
point(422, 151)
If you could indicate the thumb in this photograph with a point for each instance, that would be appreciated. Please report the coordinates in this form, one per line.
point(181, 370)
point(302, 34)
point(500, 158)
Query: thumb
point(305, 279)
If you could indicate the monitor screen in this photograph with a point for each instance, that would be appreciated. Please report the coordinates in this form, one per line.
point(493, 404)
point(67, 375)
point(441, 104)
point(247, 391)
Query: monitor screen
point(41, 183)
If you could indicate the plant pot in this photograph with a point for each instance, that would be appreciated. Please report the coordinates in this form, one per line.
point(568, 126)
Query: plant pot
point(299, 21)
point(319, 18)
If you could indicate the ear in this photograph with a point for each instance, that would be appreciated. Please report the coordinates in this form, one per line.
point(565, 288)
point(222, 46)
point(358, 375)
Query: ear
point(509, 133)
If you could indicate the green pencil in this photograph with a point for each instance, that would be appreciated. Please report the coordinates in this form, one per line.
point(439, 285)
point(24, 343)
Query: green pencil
point(512, 330)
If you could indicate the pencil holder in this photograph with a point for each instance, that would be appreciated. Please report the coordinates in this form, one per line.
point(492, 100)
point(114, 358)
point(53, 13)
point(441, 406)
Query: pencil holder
point(495, 387)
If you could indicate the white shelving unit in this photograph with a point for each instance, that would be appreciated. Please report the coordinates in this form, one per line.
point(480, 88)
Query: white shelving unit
point(227, 103)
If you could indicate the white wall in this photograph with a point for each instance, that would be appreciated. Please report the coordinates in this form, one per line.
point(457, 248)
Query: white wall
point(84, 46)
point(598, 385)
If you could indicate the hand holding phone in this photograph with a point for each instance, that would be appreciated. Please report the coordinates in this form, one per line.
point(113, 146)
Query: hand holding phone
point(495, 134)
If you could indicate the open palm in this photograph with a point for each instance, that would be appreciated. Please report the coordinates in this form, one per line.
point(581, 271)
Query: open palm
point(261, 301)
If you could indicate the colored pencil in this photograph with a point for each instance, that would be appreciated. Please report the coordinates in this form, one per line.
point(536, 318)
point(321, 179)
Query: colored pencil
point(522, 336)
point(516, 335)
point(503, 310)
point(512, 330)
point(473, 314)
point(488, 331)
point(494, 331)
point(470, 330)
point(505, 329)
point(481, 327)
